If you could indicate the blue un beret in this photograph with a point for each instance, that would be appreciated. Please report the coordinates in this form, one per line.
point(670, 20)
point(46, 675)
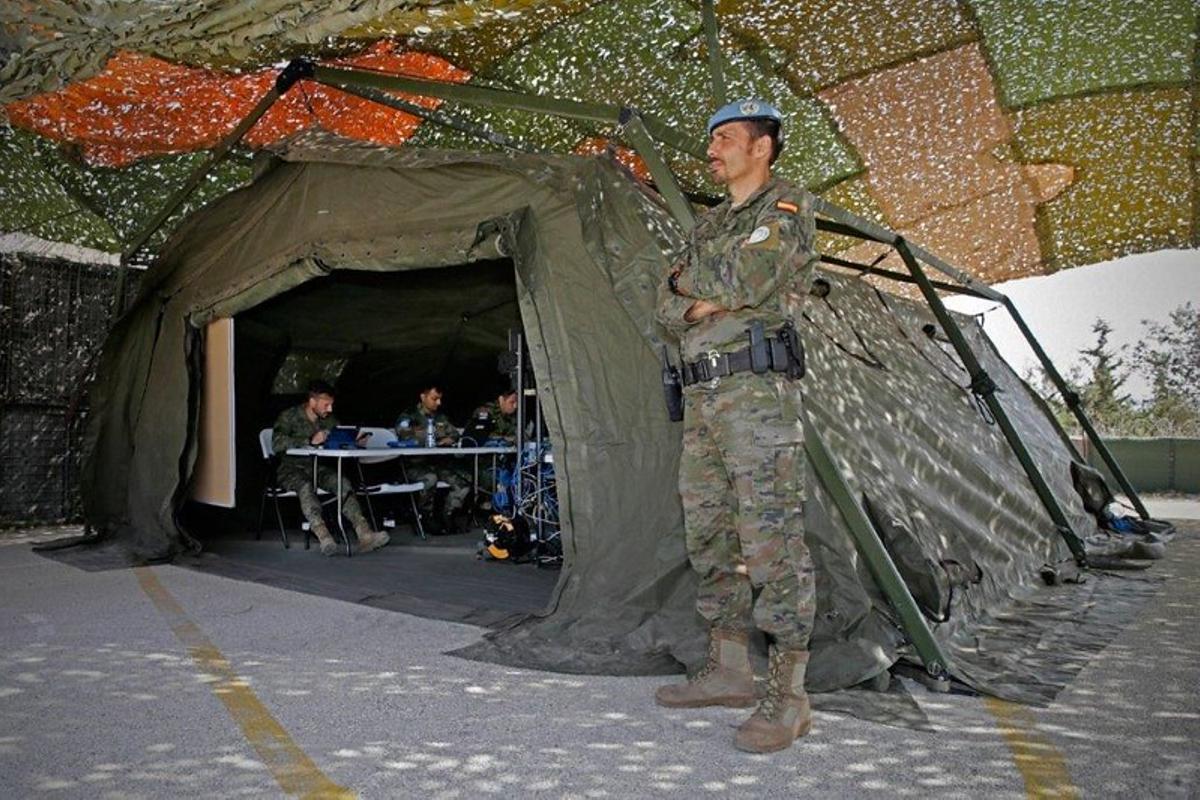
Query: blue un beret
point(741, 110)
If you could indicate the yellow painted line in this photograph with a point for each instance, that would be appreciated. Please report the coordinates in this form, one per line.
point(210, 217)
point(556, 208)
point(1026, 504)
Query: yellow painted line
point(1040, 763)
point(291, 767)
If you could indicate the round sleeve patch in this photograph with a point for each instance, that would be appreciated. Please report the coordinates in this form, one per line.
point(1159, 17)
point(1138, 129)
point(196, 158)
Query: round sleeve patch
point(759, 234)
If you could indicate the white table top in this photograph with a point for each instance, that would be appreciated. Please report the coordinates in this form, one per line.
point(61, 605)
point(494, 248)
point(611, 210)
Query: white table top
point(376, 452)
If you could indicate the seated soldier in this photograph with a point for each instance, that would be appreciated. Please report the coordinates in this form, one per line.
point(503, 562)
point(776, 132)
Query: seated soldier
point(438, 504)
point(501, 415)
point(305, 425)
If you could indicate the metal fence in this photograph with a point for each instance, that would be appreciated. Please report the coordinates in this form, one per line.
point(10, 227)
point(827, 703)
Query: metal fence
point(54, 315)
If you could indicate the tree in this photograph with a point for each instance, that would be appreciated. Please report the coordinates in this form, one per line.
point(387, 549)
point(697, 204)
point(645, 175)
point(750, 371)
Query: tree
point(1101, 380)
point(1039, 381)
point(1169, 357)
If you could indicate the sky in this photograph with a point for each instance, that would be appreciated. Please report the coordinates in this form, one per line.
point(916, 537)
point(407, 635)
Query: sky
point(1061, 308)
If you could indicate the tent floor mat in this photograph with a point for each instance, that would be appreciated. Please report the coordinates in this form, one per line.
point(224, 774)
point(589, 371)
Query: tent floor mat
point(441, 578)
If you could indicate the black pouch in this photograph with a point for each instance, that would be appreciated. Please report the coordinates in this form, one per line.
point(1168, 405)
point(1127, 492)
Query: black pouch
point(672, 388)
point(790, 338)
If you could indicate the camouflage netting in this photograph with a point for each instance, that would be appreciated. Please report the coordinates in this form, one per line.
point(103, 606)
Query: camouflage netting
point(54, 314)
point(1009, 140)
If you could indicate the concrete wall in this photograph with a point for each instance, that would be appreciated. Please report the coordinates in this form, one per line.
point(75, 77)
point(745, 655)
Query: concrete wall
point(1152, 465)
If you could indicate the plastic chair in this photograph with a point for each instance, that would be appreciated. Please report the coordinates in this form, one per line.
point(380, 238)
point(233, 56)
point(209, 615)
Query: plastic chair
point(273, 491)
point(379, 441)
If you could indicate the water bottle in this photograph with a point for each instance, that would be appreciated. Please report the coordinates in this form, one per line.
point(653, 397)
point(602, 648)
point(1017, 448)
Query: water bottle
point(430, 438)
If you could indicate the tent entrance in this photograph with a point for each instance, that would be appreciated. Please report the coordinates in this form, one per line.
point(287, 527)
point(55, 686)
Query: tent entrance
point(378, 337)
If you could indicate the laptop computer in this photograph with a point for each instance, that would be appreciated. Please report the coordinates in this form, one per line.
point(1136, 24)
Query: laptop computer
point(343, 437)
point(479, 429)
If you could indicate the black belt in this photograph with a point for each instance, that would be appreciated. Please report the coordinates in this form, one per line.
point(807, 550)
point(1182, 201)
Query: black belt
point(722, 365)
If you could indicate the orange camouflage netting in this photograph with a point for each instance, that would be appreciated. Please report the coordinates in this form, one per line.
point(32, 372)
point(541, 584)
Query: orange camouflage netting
point(141, 106)
point(595, 145)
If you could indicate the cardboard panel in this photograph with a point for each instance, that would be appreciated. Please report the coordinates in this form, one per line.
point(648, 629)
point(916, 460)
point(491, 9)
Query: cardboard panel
point(216, 474)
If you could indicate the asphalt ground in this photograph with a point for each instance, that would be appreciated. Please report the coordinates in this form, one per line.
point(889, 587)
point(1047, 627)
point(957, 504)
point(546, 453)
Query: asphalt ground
point(167, 681)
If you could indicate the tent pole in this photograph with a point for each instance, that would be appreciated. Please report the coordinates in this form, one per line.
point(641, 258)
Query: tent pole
point(982, 385)
point(438, 118)
point(501, 98)
point(520, 387)
point(878, 560)
point(631, 128)
point(294, 71)
point(1071, 398)
point(714, 52)
point(897, 276)
point(849, 224)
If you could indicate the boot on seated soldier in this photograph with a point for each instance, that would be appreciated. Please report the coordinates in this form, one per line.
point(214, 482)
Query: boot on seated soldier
point(308, 425)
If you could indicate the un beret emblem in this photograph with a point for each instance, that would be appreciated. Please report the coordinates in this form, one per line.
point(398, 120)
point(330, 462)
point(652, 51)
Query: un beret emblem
point(749, 107)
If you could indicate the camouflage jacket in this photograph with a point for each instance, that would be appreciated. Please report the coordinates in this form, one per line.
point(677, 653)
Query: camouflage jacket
point(505, 425)
point(293, 428)
point(410, 426)
point(756, 260)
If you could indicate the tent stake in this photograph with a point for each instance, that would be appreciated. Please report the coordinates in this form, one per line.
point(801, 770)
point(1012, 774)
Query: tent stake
point(983, 386)
point(878, 560)
point(1071, 398)
point(294, 71)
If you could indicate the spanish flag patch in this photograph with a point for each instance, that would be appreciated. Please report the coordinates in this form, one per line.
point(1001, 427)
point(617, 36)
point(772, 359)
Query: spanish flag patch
point(784, 205)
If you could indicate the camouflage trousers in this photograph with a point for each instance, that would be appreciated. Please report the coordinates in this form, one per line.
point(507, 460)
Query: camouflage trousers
point(742, 482)
point(431, 472)
point(300, 480)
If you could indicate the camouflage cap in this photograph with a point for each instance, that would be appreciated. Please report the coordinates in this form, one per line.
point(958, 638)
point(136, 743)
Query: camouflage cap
point(749, 108)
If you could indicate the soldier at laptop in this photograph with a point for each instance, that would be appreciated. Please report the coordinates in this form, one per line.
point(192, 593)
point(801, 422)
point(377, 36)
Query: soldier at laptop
point(308, 425)
point(446, 487)
point(500, 415)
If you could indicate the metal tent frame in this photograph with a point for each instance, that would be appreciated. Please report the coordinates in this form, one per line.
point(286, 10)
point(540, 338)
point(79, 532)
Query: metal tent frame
point(643, 133)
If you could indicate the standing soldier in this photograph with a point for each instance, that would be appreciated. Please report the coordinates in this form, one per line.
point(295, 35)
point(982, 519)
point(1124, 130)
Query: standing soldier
point(733, 300)
point(308, 425)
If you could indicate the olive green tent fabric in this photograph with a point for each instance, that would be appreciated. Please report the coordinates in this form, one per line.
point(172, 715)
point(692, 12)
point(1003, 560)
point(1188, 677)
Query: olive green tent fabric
point(588, 246)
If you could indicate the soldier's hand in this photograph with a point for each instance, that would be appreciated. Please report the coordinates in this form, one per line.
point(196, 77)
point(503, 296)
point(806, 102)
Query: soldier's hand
point(701, 309)
point(673, 280)
point(318, 438)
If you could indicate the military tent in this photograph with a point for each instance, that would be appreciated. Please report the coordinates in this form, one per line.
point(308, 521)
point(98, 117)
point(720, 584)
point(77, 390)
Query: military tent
point(586, 245)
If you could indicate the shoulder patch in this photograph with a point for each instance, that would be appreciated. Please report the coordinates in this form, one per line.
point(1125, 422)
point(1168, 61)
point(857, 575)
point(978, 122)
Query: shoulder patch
point(759, 234)
point(789, 207)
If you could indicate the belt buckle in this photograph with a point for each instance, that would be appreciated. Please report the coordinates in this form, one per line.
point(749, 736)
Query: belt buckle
point(713, 357)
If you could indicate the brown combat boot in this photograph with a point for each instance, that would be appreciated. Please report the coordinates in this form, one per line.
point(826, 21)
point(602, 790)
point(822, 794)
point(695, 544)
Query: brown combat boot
point(328, 545)
point(368, 539)
point(784, 715)
point(725, 679)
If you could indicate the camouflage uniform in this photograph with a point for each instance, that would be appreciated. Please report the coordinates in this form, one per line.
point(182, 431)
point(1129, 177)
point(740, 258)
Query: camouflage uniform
point(410, 427)
point(293, 428)
point(504, 425)
point(742, 471)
